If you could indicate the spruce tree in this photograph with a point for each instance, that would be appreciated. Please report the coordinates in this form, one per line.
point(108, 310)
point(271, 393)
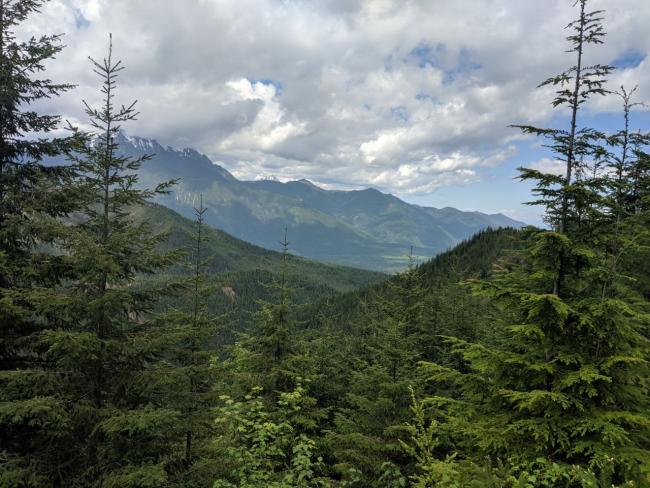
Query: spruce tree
point(276, 342)
point(369, 424)
point(274, 362)
point(271, 356)
point(30, 192)
point(563, 195)
point(623, 180)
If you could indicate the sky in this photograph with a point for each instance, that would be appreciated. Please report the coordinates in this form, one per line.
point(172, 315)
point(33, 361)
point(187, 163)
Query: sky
point(413, 98)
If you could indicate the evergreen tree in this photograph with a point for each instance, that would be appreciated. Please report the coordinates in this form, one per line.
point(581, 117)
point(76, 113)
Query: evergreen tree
point(274, 362)
point(369, 425)
point(275, 343)
point(21, 167)
point(564, 196)
point(184, 378)
point(271, 356)
point(560, 397)
point(624, 179)
point(99, 346)
point(33, 423)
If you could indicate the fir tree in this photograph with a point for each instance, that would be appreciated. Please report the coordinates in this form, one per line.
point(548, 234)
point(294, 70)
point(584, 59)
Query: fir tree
point(560, 396)
point(33, 423)
point(271, 357)
point(369, 425)
point(564, 196)
point(100, 345)
point(622, 222)
point(184, 378)
point(273, 360)
point(277, 329)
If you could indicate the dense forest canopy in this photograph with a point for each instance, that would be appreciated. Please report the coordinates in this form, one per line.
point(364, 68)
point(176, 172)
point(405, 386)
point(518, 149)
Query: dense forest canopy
point(139, 350)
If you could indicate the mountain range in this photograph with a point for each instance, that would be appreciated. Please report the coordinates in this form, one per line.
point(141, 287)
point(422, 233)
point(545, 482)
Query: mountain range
point(362, 228)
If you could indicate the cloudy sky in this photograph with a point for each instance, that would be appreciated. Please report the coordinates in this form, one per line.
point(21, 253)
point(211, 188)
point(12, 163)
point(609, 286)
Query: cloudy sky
point(409, 97)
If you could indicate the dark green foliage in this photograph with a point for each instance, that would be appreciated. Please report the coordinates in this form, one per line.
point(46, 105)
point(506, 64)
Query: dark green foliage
point(368, 344)
point(126, 436)
point(90, 355)
point(270, 355)
point(273, 361)
point(558, 396)
point(562, 195)
point(369, 424)
point(241, 275)
point(184, 378)
point(233, 256)
point(33, 420)
point(29, 193)
point(564, 383)
point(516, 359)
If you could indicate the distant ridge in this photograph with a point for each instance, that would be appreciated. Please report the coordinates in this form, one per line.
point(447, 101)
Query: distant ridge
point(361, 228)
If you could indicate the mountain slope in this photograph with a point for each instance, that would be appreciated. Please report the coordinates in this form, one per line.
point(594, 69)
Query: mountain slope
point(471, 259)
point(364, 228)
point(229, 255)
point(240, 274)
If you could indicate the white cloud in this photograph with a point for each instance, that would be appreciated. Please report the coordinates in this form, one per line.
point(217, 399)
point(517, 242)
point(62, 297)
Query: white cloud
point(548, 165)
point(269, 127)
point(408, 96)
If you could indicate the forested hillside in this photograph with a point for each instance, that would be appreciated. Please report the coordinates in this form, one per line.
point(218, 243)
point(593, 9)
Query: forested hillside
point(231, 255)
point(240, 274)
point(140, 349)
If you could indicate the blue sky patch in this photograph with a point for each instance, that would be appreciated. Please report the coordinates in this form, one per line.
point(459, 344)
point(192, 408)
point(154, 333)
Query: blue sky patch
point(438, 56)
point(270, 82)
point(464, 65)
point(425, 97)
point(629, 59)
point(427, 55)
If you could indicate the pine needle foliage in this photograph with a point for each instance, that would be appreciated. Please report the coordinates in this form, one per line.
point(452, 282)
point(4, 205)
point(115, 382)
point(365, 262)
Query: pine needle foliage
point(574, 87)
point(370, 424)
point(270, 356)
point(184, 377)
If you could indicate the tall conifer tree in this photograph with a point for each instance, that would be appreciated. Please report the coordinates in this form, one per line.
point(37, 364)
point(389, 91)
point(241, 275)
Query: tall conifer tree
point(560, 397)
point(33, 422)
point(563, 195)
point(28, 189)
point(269, 357)
point(370, 423)
point(183, 379)
point(99, 346)
point(272, 357)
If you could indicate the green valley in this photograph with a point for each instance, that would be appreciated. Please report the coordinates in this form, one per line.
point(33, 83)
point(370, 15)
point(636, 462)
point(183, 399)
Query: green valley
point(164, 324)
